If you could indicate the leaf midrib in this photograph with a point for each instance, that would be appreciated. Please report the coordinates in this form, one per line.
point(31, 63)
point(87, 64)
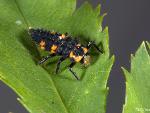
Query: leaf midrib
point(50, 79)
point(19, 9)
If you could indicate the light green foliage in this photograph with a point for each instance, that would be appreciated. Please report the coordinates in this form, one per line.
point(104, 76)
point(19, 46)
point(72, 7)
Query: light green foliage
point(137, 82)
point(39, 89)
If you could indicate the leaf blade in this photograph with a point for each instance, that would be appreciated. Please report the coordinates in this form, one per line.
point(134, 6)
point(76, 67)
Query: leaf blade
point(137, 94)
point(19, 57)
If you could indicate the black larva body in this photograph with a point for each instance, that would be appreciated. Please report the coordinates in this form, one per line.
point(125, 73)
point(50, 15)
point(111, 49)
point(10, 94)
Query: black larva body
point(61, 45)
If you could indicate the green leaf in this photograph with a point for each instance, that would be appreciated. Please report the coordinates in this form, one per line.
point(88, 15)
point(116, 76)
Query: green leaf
point(137, 82)
point(39, 89)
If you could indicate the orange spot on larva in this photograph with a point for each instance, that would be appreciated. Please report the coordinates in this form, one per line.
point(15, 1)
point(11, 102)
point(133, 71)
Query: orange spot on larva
point(53, 32)
point(85, 50)
point(76, 58)
point(53, 49)
point(62, 36)
point(42, 44)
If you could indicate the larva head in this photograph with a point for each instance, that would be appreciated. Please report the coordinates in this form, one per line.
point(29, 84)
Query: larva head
point(86, 60)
